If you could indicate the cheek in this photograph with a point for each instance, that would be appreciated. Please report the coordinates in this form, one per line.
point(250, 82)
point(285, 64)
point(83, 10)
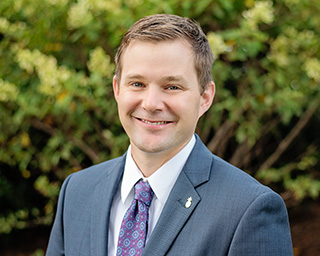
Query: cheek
point(127, 102)
point(187, 108)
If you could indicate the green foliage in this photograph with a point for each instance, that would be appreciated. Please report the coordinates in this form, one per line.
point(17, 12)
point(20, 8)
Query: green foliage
point(58, 115)
point(38, 252)
point(305, 182)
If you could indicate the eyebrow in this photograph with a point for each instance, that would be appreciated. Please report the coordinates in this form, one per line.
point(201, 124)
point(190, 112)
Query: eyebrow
point(177, 78)
point(170, 78)
point(134, 76)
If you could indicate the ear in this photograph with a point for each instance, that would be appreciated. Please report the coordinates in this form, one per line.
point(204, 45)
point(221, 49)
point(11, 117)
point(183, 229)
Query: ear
point(115, 86)
point(207, 98)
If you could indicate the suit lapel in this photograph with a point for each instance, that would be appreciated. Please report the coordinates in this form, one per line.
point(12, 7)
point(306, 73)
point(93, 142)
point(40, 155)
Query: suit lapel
point(176, 210)
point(101, 205)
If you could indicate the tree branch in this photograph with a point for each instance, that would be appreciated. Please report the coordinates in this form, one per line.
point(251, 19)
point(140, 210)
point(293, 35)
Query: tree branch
point(80, 144)
point(218, 144)
point(285, 143)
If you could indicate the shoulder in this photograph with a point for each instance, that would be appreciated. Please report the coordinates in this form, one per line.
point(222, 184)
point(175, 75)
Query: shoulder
point(95, 174)
point(220, 173)
point(237, 192)
point(236, 181)
point(224, 179)
point(224, 174)
point(241, 195)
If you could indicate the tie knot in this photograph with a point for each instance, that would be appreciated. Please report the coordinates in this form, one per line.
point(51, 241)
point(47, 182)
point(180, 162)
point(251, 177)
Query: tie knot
point(143, 192)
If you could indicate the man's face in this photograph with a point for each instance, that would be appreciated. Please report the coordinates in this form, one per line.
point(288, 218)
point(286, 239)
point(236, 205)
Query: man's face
point(158, 97)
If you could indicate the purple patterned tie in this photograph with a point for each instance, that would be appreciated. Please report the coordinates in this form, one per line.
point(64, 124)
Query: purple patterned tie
point(134, 226)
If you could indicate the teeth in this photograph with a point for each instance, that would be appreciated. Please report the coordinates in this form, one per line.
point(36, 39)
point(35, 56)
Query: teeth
point(154, 123)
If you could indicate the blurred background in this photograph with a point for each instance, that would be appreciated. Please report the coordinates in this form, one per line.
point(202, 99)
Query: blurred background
point(58, 115)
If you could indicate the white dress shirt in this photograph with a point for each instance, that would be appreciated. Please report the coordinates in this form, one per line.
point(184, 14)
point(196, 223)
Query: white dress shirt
point(161, 183)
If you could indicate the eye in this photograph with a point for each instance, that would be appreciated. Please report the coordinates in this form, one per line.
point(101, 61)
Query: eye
point(173, 87)
point(137, 84)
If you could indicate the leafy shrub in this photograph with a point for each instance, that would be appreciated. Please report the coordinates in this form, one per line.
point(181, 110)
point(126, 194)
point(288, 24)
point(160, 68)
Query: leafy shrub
point(58, 115)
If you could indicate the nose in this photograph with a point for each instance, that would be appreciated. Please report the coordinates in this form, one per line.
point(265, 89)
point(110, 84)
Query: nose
point(152, 99)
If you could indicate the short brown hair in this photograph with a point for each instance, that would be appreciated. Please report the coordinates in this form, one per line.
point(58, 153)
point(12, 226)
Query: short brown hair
point(161, 27)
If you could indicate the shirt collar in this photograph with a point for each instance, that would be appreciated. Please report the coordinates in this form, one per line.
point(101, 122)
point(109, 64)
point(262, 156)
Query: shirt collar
point(160, 181)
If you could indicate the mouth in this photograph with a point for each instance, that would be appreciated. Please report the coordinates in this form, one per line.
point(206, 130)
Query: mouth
point(154, 122)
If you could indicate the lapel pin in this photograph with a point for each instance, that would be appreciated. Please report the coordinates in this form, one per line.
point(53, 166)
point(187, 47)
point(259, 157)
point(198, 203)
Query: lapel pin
point(189, 202)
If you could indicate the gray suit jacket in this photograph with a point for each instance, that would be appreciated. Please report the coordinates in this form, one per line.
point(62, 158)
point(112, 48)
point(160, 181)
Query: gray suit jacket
point(230, 214)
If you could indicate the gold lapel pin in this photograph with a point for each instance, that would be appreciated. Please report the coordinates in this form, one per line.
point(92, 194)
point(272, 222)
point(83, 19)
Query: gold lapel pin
point(189, 202)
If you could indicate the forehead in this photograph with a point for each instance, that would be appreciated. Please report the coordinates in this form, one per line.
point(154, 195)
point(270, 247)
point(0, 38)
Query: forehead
point(169, 54)
point(179, 42)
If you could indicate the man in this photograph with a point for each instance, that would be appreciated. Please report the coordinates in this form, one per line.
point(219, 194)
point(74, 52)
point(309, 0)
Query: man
point(194, 203)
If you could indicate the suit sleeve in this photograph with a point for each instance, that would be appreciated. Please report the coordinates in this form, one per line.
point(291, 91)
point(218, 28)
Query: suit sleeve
point(56, 240)
point(263, 229)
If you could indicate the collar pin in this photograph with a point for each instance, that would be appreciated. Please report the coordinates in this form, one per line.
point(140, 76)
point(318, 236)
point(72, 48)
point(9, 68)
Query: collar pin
point(189, 202)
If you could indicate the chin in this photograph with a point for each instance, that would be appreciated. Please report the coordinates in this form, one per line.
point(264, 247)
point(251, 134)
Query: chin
point(151, 147)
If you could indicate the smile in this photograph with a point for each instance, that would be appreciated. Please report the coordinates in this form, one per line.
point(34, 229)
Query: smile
point(153, 122)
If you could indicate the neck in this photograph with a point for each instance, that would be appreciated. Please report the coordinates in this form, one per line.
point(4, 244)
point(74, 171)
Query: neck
point(149, 162)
